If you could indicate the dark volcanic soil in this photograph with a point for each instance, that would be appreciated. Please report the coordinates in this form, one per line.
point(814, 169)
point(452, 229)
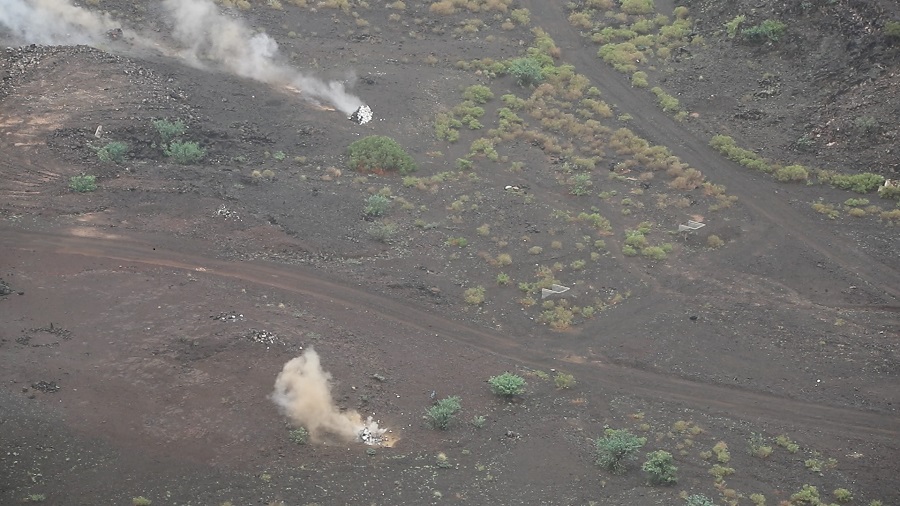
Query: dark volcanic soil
point(119, 381)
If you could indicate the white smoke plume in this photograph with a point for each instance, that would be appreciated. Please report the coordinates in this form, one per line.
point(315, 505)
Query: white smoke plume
point(53, 22)
point(206, 37)
point(303, 393)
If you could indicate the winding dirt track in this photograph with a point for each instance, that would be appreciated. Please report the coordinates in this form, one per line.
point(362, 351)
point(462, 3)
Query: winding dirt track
point(754, 191)
point(313, 283)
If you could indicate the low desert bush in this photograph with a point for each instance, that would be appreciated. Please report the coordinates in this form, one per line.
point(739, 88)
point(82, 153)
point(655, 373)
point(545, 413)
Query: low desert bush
point(637, 6)
point(791, 173)
point(527, 71)
point(113, 152)
point(889, 192)
point(383, 231)
point(786, 443)
point(299, 436)
point(639, 80)
point(474, 296)
point(441, 415)
point(698, 500)
point(667, 102)
point(83, 183)
point(478, 93)
point(616, 447)
point(807, 495)
point(842, 495)
point(564, 381)
point(169, 130)
point(860, 183)
point(731, 27)
point(184, 153)
point(378, 153)
point(768, 30)
point(376, 205)
point(507, 384)
point(660, 466)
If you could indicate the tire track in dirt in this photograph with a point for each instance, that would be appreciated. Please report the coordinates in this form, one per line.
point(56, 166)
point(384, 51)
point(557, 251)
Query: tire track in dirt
point(754, 191)
point(723, 400)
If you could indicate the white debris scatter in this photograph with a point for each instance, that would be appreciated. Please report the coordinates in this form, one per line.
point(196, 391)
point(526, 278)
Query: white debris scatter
point(371, 433)
point(362, 115)
point(227, 213)
point(228, 317)
point(263, 336)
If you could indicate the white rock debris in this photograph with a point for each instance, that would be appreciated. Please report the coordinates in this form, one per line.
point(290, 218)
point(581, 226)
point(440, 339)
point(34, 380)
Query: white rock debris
point(362, 115)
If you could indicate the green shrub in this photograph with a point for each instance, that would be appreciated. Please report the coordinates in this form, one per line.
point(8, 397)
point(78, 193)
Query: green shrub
point(463, 164)
point(654, 253)
point(299, 436)
point(639, 79)
point(478, 93)
point(169, 130)
point(527, 71)
point(807, 495)
point(36, 498)
point(447, 127)
point(892, 29)
point(520, 16)
point(667, 102)
point(758, 499)
point(615, 447)
point(279, 156)
point(377, 205)
point(113, 152)
point(637, 6)
point(731, 27)
point(698, 500)
point(661, 468)
point(856, 202)
point(441, 415)
point(842, 495)
point(786, 443)
point(507, 384)
point(185, 153)
point(859, 183)
point(769, 29)
point(728, 147)
point(83, 183)
point(377, 153)
point(474, 296)
point(478, 421)
point(889, 192)
point(140, 501)
point(621, 55)
point(459, 242)
point(791, 173)
point(383, 232)
point(564, 381)
point(581, 185)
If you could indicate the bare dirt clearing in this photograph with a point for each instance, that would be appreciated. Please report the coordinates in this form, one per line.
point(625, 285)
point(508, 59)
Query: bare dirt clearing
point(120, 381)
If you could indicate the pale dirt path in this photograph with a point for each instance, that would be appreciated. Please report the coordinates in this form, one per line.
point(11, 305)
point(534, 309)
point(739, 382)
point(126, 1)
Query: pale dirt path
point(781, 222)
point(715, 399)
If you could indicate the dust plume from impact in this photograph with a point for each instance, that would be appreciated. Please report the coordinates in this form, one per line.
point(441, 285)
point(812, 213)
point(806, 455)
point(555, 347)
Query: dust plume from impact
point(206, 37)
point(303, 393)
point(53, 22)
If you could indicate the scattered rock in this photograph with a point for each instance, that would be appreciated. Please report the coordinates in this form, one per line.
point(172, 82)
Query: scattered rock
point(46, 387)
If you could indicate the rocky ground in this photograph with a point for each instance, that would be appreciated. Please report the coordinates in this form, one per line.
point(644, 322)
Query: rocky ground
point(142, 324)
